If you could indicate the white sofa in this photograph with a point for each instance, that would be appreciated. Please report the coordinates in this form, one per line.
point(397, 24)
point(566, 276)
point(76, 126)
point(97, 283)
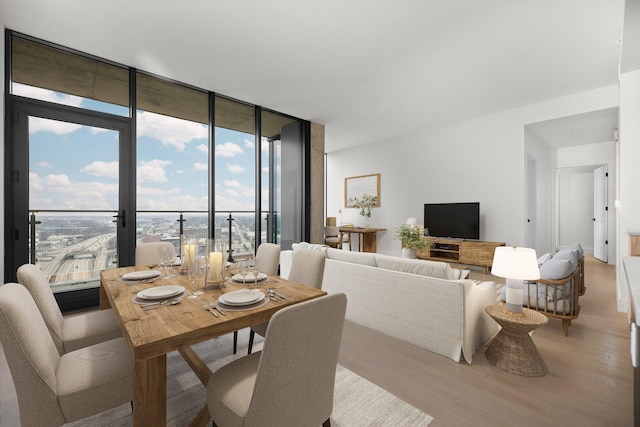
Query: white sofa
point(424, 303)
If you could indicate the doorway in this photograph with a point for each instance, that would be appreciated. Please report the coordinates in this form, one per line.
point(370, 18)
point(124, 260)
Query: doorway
point(66, 209)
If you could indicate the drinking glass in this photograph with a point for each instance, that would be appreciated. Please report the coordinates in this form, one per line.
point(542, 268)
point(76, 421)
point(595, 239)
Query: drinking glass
point(244, 271)
point(167, 260)
point(196, 277)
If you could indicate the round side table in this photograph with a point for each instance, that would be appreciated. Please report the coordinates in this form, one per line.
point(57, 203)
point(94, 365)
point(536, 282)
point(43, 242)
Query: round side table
point(512, 350)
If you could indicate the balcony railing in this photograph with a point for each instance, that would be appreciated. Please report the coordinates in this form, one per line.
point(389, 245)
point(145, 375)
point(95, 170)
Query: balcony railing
point(72, 246)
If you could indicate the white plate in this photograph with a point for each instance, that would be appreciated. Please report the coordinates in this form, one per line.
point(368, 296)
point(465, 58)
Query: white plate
point(141, 275)
point(242, 297)
point(250, 278)
point(160, 292)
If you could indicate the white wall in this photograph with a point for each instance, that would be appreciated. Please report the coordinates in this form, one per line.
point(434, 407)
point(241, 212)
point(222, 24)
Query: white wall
point(545, 163)
point(480, 159)
point(628, 174)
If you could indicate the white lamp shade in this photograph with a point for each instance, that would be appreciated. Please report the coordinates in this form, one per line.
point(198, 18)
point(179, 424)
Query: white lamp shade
point(515, 263)
point(411, 221)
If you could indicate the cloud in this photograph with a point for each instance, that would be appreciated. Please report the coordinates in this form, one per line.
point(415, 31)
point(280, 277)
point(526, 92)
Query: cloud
point(37, 124)
point(248, 143)
point(152, 171)
point(172, 132)
point(59, 192)
point(102, 169)
point(228, 149)
point(202, 147)
point(46, 95)
point(232, 183)
point(200, 166)
point(44, 164)
point(235, 168)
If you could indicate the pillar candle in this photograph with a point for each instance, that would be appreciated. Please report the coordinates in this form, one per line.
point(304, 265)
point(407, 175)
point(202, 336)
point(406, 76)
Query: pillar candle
point(215, 266)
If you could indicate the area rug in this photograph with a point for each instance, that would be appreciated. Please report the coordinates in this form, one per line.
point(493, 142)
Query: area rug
point(357, 402)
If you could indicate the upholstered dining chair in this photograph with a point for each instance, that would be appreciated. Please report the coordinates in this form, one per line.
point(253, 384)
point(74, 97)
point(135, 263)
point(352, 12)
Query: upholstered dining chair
point(54, 389)
point(151, 253)
point(268, 258)
point(334, 237)
point(267, 261)
point(307, 268)
point(71, 332)
point(290, 382)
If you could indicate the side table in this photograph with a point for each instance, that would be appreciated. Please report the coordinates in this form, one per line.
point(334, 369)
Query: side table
point(512, 350)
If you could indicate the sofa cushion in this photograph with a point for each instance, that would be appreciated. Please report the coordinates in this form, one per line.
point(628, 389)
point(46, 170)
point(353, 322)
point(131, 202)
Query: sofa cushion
point(306, 245)
point(362, 258)
point(441, 270)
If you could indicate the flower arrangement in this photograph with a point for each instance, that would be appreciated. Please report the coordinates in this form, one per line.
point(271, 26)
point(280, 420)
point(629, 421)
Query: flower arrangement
point(365, 204)
point(412, 236)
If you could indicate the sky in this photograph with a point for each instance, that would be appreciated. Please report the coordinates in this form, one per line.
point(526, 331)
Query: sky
point(76, 167)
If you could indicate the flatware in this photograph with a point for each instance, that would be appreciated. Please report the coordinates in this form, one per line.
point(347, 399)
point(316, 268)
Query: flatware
point(210, 310)
point(154, 305)
point(218, 308)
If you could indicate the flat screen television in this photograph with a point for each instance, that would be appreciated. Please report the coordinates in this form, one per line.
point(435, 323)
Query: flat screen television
point(453, 220)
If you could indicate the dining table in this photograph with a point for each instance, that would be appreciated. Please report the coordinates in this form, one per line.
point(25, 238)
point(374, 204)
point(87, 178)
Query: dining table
point(153, 333)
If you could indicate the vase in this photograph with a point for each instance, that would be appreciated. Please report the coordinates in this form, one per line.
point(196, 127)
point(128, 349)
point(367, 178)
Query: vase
point(367, 223)
point(408, 253)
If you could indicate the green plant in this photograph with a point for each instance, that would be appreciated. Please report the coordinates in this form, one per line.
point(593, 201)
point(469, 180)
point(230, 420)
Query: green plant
point(365, 204)
point(413, 236)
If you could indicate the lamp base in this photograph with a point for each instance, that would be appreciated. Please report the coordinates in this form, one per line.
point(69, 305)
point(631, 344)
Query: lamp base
point(513, 313)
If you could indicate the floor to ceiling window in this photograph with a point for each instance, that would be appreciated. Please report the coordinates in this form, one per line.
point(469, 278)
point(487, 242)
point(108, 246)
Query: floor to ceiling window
point(91, 173)
point(172, 161)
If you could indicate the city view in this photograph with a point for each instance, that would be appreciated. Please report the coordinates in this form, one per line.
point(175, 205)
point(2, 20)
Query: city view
point(72, 250)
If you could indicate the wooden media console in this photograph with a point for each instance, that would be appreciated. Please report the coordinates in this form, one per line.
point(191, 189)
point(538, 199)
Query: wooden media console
point(468, 252)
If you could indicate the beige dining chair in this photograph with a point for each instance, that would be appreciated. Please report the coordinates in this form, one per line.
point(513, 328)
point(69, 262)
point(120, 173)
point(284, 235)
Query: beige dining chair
point(307, 268)
point(151, 253)
point(290, 383)
point(71, 332)
point(54, 389)
point(268, 258)
point(333, 237)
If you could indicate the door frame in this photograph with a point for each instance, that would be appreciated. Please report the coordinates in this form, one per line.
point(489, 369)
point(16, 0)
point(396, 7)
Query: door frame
point(16, 189)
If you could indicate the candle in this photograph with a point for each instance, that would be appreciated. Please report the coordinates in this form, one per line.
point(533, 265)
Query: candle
point(215, 266)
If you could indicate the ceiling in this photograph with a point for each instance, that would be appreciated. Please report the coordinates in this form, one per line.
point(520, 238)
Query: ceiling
point(367, 70)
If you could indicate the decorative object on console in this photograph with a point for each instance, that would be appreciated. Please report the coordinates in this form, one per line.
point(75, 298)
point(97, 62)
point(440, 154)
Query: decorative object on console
point(366, 203)
point(515, 264)
point(413, 237)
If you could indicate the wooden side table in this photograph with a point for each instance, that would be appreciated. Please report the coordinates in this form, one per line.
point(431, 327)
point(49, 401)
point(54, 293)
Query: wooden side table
point(512, 350)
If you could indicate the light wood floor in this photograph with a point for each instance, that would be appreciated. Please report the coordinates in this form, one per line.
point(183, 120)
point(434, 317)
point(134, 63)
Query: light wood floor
point(590, 382)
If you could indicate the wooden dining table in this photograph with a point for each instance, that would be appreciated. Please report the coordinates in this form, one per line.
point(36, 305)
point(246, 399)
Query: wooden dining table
point(151, 334)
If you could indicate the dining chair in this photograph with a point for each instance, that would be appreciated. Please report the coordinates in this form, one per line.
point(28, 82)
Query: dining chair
point(268, 258)
point(267, 261)
point(54, 389)
point(151, 253)
point(307, 268)
point(333, 237)
point(71, 332)
point(290, 383)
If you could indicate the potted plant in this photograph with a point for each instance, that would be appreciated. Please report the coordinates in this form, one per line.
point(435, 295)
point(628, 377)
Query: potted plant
point(365, 204)
point(412, 237)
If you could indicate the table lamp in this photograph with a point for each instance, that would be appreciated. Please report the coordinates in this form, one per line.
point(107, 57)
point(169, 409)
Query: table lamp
point(516, 265)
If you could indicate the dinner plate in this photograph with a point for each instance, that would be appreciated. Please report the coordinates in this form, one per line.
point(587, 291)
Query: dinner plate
point(250, 278)
point(160, 292)
point(141, 275)
point(242, 297)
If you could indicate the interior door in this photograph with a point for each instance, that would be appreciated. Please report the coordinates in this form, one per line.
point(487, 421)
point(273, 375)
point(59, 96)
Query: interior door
point(600, 214)
point(66, 212)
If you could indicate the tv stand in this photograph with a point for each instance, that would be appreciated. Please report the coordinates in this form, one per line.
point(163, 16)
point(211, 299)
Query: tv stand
point(459, 251)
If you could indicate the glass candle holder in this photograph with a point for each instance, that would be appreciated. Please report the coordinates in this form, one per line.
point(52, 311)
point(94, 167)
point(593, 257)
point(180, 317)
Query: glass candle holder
point(214, 256)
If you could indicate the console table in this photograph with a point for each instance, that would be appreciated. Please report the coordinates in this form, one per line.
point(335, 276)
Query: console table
point(367, 239)
point(469, 252)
